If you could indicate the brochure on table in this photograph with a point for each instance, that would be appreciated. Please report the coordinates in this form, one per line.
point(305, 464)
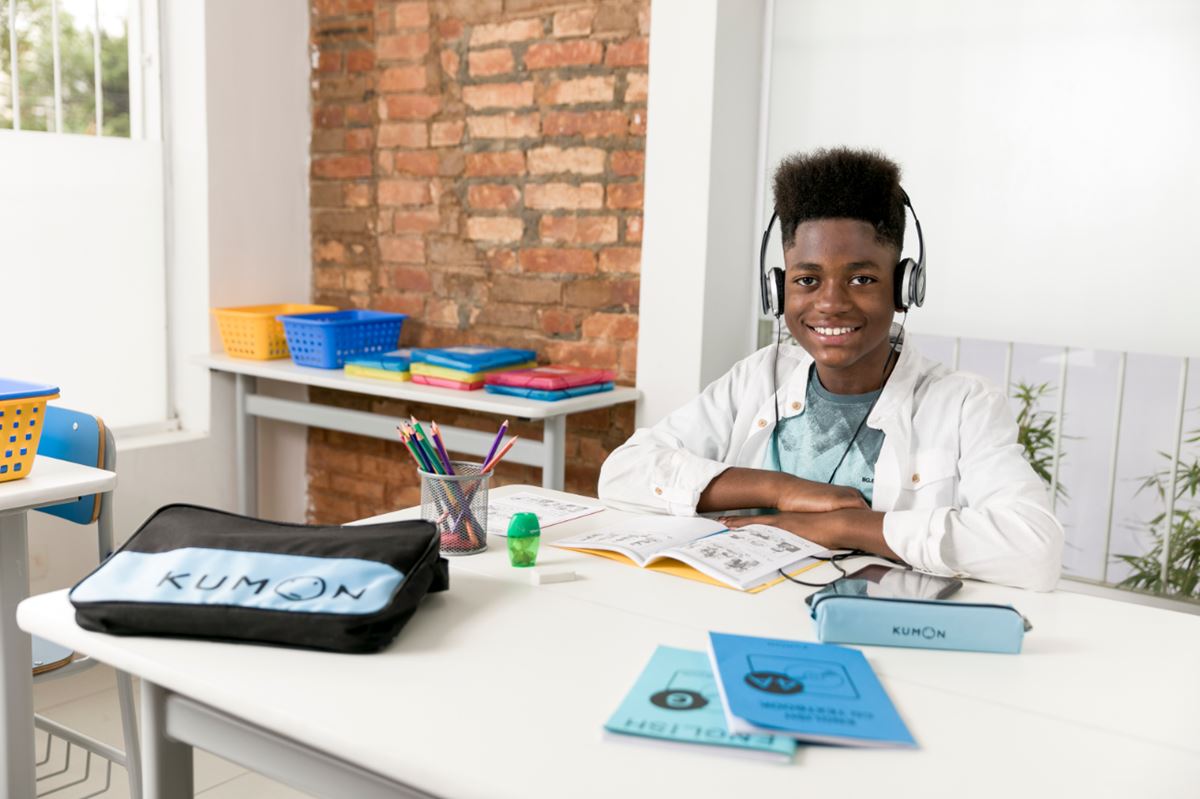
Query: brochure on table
point(549, 510)
point(676, 700)
point(820, 693)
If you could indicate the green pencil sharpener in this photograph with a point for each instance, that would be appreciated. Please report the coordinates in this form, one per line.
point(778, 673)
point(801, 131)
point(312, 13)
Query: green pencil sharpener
point(524, 533)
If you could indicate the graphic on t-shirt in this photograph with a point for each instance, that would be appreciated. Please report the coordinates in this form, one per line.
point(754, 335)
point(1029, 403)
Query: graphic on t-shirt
point(810, 444)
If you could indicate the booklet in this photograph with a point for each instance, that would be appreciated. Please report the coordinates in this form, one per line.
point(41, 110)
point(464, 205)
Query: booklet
point(550, 510)
point(675, 699)
point(820, 693)
point(748, 558)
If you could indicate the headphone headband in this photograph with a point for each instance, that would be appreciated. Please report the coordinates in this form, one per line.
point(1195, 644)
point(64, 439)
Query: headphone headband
point(908, 283)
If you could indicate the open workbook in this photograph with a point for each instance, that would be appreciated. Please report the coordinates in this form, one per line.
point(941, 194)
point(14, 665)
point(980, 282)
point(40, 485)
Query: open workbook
point(747, 558)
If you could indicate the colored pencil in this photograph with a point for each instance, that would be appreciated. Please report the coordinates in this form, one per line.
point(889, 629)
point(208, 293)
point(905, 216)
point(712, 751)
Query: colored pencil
point(407, 438)
point(441, 448)
point(491, 463)
point(496, 442)
point(423, 440)
point(409, 446)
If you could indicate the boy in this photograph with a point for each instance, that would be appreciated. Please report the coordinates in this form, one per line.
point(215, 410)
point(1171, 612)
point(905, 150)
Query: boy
point(876, 448)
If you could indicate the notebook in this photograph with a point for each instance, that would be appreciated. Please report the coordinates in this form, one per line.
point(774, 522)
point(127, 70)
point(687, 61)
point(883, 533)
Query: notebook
point(747, 559)
point(446, 373)
point(548, 396)
point(552, 377)
point(473, 359)
point(676, 700)
point(441, 382)
point(392, 365)
point(820, 693)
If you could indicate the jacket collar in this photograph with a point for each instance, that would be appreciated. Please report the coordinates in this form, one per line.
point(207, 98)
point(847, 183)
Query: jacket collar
point(897, 392)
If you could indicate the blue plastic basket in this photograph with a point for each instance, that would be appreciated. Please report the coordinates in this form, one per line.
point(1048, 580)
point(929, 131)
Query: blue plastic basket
point(325, 340)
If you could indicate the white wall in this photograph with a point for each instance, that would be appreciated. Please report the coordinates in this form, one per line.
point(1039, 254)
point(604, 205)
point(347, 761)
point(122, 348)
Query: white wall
point(1049, 149)
point(73, 210)
point(236, 77)
point(701, 151)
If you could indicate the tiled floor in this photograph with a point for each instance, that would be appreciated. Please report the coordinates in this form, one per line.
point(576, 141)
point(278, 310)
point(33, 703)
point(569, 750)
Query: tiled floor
point(87, 702)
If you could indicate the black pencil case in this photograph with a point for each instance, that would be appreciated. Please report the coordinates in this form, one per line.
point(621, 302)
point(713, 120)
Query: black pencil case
point(201, 573)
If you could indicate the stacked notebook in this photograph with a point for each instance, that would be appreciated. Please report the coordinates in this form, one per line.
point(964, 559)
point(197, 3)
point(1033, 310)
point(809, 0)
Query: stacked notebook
point(466, 368)
point(392, 365)
point(550, 382)
point(759, 696)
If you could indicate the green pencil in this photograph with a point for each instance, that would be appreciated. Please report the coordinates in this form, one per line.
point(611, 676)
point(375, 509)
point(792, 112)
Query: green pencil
point(426, 447)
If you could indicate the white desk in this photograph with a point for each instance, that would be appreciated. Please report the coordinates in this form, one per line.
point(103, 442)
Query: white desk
point(50, 482)
point(549, 453)
point(497, 688)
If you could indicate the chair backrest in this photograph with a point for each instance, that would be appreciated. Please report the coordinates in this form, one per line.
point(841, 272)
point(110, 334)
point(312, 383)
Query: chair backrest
point(81, 438)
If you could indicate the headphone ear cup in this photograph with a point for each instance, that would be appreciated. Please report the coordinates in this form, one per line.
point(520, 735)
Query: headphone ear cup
point(902, 281)
point(775, 287)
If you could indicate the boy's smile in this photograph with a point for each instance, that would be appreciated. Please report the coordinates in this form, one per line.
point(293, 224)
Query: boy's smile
point(839, 302)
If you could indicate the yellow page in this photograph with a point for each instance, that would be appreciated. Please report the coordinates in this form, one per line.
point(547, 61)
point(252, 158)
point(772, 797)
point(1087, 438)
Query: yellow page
point(679, 569)
point(354, 370)
point(433, 370)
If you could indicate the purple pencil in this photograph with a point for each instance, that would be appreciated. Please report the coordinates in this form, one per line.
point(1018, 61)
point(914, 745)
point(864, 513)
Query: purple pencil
point(441, 448)
point(496, 443)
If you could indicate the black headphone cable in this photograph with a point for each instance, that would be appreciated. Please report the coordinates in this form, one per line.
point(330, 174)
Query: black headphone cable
point(835, 558)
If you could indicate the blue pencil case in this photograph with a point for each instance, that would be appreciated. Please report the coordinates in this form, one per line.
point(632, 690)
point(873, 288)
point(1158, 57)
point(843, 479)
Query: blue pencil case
point(473, 359)
point(548, 396)
point(920, 623)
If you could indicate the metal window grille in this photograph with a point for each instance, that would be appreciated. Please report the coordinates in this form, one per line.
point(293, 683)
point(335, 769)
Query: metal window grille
point(131, 19)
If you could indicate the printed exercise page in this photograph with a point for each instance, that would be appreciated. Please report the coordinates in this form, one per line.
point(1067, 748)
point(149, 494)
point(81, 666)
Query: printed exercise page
point(748, 555)
point(549, 510)
point(641, 537)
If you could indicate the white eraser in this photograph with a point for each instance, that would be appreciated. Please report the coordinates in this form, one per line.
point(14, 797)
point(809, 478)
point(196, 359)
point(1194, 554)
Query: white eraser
point(545, 576)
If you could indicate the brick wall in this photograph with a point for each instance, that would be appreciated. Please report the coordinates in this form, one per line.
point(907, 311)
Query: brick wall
point(477, 164)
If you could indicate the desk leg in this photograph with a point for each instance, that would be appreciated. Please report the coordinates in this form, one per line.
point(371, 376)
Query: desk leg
point(554, 452)
point(246, 433)
point(166, 763)
point(16, 663)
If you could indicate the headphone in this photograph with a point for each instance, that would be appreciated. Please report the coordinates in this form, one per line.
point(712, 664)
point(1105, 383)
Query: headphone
point(908, 283)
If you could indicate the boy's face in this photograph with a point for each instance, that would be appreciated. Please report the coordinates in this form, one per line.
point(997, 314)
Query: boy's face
point(838, 301)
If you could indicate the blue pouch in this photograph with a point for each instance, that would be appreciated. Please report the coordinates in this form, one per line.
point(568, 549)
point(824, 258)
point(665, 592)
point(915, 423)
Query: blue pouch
point(920, 623)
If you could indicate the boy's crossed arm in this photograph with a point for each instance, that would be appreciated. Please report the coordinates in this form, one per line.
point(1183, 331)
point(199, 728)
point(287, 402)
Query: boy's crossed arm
point(836, 517)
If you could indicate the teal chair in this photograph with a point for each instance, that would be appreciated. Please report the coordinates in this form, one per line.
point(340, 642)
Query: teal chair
point(83, 438)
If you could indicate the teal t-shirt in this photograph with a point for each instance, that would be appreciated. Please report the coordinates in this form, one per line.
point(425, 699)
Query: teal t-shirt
point(810, 444)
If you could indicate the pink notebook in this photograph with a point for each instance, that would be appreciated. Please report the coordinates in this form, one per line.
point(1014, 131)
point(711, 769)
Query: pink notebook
point(551, 378)
point(430, 380)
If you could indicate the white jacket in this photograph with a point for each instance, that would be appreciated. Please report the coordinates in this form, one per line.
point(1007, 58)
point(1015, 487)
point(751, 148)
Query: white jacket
point(959, 497)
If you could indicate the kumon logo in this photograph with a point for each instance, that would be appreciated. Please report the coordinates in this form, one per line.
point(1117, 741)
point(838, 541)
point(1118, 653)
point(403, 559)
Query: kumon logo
point(294, 589)
point(927, 632)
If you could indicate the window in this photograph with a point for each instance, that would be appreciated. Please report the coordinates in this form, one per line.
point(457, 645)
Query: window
point(81, 205)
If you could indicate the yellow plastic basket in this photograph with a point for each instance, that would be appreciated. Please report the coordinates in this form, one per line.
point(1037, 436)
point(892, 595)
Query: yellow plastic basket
point(251, 331)
point(20, 430)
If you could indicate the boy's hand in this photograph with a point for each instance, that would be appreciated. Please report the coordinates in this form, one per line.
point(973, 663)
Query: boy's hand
point(815, 527)
point(806, 496)
point(842, 529)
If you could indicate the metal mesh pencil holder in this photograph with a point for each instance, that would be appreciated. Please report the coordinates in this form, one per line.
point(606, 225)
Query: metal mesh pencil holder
point(457, 504)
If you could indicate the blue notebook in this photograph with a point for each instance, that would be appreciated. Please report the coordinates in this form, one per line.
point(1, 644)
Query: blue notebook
point(548, 395)
point(675, 699)
point(819, 693)
point(473, 359)
point(394, 361)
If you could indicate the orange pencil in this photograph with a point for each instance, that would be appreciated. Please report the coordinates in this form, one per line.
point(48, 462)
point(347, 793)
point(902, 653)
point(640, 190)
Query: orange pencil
point(491, 464)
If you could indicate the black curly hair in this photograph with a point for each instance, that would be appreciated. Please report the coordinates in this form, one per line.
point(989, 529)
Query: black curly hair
point(840, 183)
